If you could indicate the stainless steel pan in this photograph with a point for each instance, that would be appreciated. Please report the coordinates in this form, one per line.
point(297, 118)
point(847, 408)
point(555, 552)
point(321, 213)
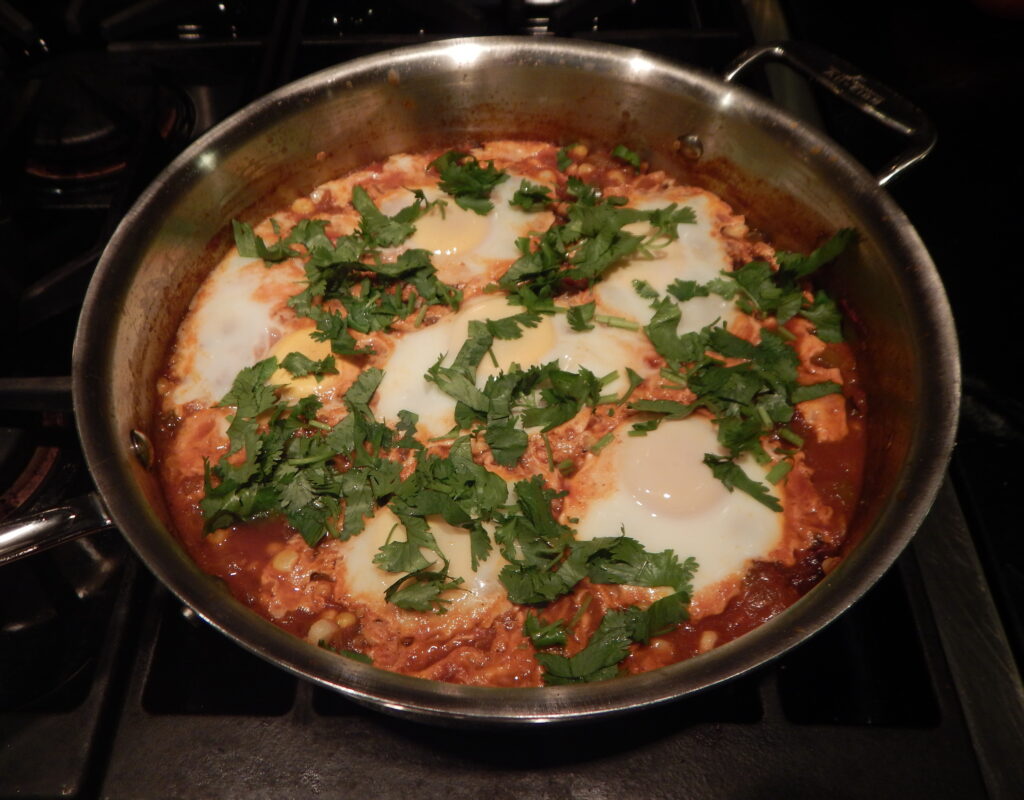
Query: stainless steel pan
point(791, 181)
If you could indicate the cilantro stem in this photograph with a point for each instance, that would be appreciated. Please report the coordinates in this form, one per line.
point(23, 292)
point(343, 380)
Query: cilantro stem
point(617, 322)
point(792, 438)
point(547, 447)
point(601, 443)
point(671, 375)
point(420, 315)
point(778, 472)
point(579, 612)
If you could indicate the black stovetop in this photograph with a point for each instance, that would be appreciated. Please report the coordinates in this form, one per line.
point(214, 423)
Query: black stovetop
point(109, 688)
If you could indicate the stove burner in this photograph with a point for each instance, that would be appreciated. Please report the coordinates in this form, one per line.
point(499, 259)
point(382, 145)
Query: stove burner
point(30, 448)
point(24, 467)
point(52, 605)
point(89, 120)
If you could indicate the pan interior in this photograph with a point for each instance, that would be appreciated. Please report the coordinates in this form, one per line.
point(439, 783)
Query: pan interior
point(463, 91)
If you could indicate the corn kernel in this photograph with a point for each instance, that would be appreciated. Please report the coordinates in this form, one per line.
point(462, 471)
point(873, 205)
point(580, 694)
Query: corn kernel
point(285, 560)
point(303, 205)
point(321, 631)
point(707, 641)
point(346, 619)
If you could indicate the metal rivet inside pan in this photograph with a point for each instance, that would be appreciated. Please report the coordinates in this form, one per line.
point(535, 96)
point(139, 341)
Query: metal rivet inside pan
point(691, 146)
point(142, 448)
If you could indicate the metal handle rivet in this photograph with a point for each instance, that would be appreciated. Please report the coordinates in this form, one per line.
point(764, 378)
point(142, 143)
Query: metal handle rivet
point(691, 146)
point(142, 448)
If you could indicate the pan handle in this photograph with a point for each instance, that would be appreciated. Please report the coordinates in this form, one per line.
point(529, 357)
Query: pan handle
point(845, 81)
point(75, 518)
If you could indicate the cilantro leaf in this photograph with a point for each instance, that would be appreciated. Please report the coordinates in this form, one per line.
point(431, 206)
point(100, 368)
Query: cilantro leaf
point(676, 349)
point(421, 591)
point(252, 246)
point(378, 228)
point(580, 317)
point(531, 196)
point(732, 477)
point(552, 634)
point(687, 290)
point(300, 365)
point(609, 644)
point(800, 266)
point(825, 316)
point(814, 390)
point(623, 560)
point(250, 396)
point(463, 177)
point(507, 442)
point(359, 394)
point(623, 153)
point(562, 159)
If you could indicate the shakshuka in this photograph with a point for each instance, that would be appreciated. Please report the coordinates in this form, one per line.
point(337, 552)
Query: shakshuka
point(512, 414)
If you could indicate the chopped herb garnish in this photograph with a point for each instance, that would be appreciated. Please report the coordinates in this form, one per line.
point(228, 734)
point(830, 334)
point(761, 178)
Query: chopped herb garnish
point(778, 472)
point(562, 159)
point(531, 196)
point(580, 317)
point(465, 179)
point(625, 154)
point(552, 634)
point(300, 365)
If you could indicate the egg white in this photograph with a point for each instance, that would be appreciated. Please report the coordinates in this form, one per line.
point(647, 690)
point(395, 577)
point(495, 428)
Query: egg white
point(659, 490)
point(232, 324)
point(699, 254)
point(603, 351)
point(367, 582)
point(463, 244)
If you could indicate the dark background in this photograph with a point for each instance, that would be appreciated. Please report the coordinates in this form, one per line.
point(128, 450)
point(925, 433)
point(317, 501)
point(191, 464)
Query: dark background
point(963, 64)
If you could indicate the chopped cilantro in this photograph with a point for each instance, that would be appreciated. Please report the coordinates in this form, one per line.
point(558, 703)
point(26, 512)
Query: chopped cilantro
point(732, 477)
point(531, 196)
point(562, 159)
point(623, 153)
point(580, 316)
point(421, 591)
point(252, 246)
point(463, 177)
point(553, 634)
point(778, 472)
point(824, 314)
point(299, 365)
point(609, 644)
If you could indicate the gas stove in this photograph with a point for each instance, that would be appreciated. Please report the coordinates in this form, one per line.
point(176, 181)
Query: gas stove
point(109, 687)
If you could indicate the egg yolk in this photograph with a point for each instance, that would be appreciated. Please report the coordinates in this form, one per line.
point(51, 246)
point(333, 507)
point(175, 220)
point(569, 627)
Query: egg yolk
point(449, 231)
point(298, 342)
point(664, 471)
point(529, 349)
